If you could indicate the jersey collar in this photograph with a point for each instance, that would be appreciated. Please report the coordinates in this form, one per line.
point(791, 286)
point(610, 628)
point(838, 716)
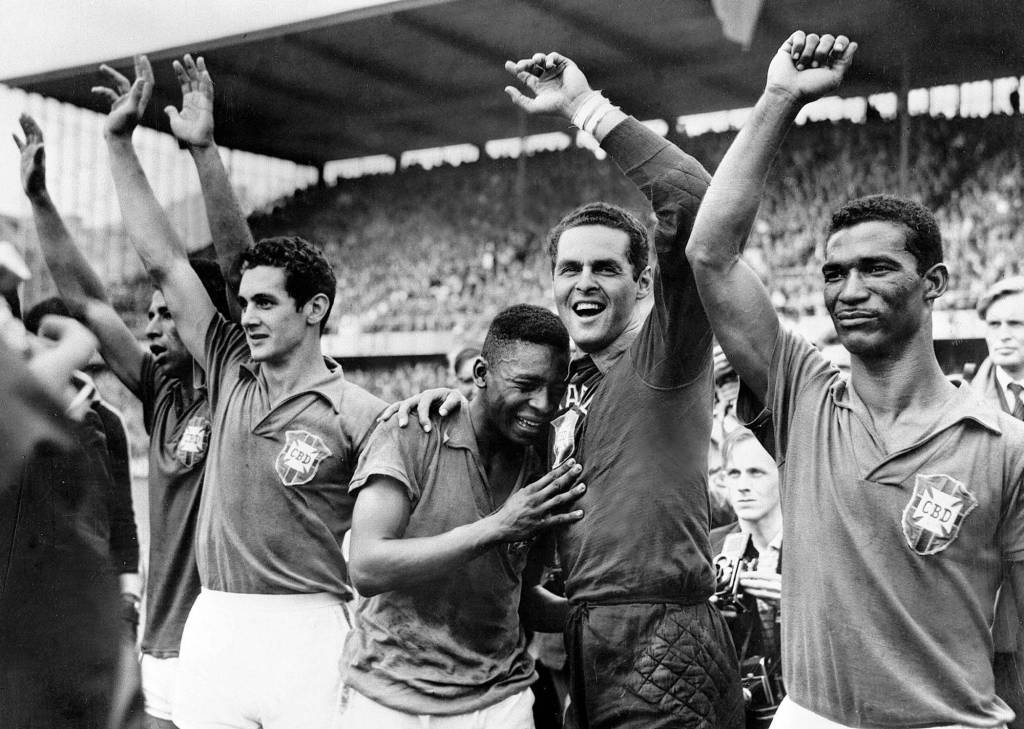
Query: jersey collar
point(964, 405)
point(330, 386)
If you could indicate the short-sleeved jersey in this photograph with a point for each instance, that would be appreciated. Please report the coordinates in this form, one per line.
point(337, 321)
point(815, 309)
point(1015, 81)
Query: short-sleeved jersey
point(641, 429)
point(892, 559)
point(276, 506)
point(452, 645)
point(179, 435)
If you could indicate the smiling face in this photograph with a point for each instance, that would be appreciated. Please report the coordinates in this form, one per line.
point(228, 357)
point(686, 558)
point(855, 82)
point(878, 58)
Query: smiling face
point(594, 285)
point(274, 328)
point(522, 389)
point(753, 481)
point(168, 350)
point(1004, 333)
point(873, 291)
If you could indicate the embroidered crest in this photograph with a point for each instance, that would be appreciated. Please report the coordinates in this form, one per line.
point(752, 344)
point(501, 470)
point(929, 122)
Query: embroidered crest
point(192, 445)
point(937, 509)
point(300, 458)
point(563, 444)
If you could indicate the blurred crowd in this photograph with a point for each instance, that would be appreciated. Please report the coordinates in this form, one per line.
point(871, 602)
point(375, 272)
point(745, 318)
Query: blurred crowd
point(445, 249)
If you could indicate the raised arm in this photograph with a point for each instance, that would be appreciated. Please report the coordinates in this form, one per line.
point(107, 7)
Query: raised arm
point(671, 180)
point(76, 281)
point(162, 252)
point(193, 127)
point(382, 560)
point(805, 68)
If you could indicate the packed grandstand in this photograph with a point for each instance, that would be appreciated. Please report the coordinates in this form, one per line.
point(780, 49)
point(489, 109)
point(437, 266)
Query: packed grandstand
point(443, 250)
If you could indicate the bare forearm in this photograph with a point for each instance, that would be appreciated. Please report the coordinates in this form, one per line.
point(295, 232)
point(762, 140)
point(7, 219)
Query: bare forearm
point(231, 234)
point(380, 565)
point(75, 278)
point(731, 202)
point(543, 610)
point(148, 227)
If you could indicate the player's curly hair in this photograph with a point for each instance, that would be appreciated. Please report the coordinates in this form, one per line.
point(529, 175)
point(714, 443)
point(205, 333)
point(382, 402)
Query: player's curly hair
point(306, 270)
point(524, 323)
point(610, 216)
point(924, 241)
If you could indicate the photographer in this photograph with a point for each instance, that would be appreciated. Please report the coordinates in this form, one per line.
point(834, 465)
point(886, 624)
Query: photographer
point(748, 564)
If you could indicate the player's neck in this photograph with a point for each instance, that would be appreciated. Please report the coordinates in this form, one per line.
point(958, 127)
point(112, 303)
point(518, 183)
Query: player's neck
point(294, 371)
point(605, 358)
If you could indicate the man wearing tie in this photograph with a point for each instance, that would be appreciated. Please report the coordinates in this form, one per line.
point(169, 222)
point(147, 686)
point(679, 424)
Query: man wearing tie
point(999, 381)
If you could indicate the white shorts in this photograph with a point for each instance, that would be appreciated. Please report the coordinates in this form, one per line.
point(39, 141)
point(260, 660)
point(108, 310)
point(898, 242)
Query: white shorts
point(261, 661)
point(158, 679)
point(791, 715)
point(515, 712)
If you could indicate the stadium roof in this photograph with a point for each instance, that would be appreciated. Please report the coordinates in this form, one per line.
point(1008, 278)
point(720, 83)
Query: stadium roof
point(412, 75)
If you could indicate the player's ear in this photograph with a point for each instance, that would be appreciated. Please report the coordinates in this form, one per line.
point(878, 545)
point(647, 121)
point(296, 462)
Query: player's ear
point(644, 282)
point(316, 308)
point(480, 368)
point(936, 281)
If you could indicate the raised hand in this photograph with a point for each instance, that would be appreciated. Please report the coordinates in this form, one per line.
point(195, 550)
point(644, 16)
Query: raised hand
point(33, 157)
point(193, 125)
point(558, 85)
point(539, 505)
point(808, 66)
point(128, 99)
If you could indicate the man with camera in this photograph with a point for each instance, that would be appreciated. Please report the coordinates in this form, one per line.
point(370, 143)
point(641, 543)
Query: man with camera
point(747, 564)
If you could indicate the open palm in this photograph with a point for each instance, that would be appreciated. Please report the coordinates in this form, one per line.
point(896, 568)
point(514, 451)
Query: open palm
point(193, 124)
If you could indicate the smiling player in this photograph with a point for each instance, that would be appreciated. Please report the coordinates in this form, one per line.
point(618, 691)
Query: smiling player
point(285, 434)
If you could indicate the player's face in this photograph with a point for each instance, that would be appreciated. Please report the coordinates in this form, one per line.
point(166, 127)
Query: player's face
point(873, 292)
point(753, 481)
point(593, 285)
point(464, 379)
point(1004, 333)
point(522, 390)
point(273, 327)
point(166, 346)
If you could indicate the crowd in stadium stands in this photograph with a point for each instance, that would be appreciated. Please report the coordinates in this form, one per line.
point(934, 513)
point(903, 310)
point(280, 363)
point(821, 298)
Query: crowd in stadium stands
point(445, 249)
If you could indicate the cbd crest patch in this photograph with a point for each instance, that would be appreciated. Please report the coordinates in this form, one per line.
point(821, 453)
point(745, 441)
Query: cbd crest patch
point(937, 509)
point(192, 445)
point(298, 461)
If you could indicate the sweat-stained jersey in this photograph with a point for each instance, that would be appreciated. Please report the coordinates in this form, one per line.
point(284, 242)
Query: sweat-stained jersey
point(275, 504)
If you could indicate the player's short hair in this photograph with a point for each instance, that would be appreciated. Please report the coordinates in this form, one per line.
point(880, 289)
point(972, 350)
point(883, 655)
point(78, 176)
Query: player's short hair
point(524, 323)
point(213, 281)
point(306, 270)
point(53, 305)
point(610, 216)
point(924, 241)
point(735, 437)
point(1004, 287)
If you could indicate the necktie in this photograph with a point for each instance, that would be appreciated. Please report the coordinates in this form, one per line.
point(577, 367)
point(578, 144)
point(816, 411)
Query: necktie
point(1018, 404)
